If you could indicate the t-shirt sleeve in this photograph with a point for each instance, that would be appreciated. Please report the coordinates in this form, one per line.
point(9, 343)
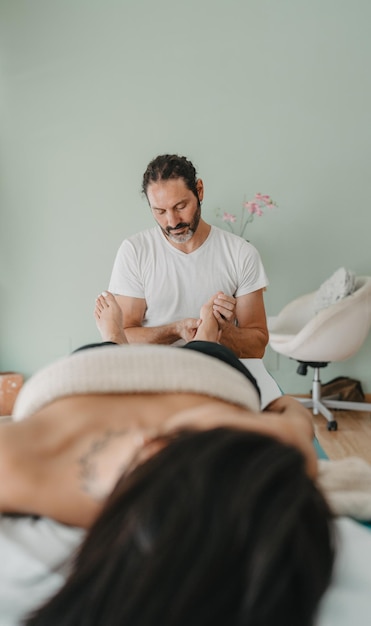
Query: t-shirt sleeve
point(126, 279)
point(252, 273)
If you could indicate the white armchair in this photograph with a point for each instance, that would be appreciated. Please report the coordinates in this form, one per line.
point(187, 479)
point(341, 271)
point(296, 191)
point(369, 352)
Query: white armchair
point(315, 339)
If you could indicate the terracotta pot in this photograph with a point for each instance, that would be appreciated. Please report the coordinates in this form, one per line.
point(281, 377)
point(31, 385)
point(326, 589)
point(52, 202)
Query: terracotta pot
point(10, 384)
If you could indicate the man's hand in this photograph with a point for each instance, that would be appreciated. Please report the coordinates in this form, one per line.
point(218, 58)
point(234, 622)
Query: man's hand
point(224, 309)
point(243, 323)
point(187, 328)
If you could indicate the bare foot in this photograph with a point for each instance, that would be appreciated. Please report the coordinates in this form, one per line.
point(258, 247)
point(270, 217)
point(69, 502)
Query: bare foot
point(108, 318)
point(208, 329)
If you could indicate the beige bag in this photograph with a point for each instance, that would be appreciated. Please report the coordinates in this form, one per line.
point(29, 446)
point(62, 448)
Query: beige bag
point(10, 384)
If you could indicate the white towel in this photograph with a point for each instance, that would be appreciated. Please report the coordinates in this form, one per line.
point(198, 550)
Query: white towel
point(347, 486)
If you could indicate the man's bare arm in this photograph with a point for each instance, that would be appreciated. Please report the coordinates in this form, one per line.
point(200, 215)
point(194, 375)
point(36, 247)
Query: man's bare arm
point(133, 311)
point(249, 338)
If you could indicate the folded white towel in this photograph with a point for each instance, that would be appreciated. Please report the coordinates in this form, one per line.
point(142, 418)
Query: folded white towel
point(347, 486)
point(135, 369)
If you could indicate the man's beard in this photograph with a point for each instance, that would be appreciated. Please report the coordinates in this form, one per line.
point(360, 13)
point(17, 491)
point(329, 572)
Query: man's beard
point(192, 227)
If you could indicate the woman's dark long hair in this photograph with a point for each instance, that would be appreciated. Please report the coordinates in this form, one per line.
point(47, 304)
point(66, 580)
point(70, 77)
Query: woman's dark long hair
point(220, 527)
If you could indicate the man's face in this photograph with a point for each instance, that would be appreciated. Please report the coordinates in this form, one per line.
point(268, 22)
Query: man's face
point(175, 208)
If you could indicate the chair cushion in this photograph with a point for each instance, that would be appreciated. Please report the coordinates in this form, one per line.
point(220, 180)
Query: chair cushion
point(337, 287)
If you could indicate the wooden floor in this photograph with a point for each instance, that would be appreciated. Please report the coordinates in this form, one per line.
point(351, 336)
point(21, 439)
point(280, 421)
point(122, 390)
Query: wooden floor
point(353, 437)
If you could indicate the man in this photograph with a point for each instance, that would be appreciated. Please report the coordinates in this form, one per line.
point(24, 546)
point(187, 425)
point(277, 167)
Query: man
point(163, 275)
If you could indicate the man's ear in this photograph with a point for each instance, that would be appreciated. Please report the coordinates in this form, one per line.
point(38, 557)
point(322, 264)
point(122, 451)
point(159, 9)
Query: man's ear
point(200, 189)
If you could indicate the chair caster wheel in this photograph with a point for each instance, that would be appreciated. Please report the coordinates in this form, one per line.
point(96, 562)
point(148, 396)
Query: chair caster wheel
point(333, 425)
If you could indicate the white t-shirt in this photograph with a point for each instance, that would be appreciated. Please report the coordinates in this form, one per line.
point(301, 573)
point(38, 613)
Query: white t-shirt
point(175, 285)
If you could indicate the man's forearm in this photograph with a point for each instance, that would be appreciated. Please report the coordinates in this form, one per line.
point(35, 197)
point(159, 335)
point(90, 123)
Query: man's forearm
point(246, 343)
point(164, 335)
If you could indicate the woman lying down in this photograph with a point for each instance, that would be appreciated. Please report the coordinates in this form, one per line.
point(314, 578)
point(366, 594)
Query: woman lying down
point(199, 508)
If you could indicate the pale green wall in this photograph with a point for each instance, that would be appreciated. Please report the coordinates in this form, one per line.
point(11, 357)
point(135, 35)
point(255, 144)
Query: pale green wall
point(263, 95)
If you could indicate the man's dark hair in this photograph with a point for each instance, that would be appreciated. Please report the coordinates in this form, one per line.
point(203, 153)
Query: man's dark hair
point(170, 166)
point(218, 527)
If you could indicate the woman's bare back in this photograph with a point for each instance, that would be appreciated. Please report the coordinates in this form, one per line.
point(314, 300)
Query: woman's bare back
point(64, 460)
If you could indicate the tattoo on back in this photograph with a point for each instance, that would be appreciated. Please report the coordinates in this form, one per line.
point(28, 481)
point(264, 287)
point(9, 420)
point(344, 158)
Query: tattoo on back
point(92, 474)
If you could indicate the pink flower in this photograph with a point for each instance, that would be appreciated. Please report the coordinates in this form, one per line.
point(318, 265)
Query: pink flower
point(267, 200)
point(228, 217)
point(252, 207)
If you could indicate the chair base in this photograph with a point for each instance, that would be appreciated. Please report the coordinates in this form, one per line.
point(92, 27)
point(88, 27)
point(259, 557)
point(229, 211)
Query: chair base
point(321, 405)
point(318, 407)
